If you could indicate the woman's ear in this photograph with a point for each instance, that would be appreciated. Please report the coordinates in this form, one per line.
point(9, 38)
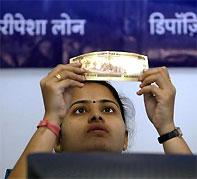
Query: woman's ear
point(125, 141)
point(58, 145)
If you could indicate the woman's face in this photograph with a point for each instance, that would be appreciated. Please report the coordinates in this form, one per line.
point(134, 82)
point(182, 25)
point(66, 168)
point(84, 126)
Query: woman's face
point(93, 121)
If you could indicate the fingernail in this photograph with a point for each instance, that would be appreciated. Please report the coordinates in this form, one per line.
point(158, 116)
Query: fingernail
point(83, 78)
point(78, 63)
point(83, 69)
point(138, 92)
point(81, 84)
point(140, 76)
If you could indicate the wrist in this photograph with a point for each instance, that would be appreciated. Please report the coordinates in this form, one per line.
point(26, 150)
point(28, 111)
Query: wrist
point(53, 127)
point(52, 118)
point(166, 128)
point(172, 134)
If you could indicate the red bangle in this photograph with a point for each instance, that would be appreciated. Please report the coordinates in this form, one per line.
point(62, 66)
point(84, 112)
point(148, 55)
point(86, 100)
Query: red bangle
point(54, 128)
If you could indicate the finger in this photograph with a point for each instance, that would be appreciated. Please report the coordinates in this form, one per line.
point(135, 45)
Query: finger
point(67, 75)
point(73, 76)
point(76, 64)
point(156, 78)
point(77, 70)
point(160, 76)
point(69, 83)
point(62, 67)
point(165, 71)
point(68, 69)
point(151, 89)
point(151, 71)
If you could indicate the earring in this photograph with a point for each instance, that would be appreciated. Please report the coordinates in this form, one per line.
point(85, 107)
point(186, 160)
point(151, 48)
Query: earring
point(58, 149)
point(124, 147)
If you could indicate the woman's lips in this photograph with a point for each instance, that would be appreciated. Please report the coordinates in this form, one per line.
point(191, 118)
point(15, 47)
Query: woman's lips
point(97, 128)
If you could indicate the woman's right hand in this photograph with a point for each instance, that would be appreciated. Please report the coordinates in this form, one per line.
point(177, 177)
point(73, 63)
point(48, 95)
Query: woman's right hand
point(53, 89)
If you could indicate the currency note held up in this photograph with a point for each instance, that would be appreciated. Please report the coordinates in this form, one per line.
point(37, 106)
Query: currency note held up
point(112, 65)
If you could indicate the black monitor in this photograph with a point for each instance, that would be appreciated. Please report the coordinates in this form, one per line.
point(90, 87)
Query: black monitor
point(111, 166)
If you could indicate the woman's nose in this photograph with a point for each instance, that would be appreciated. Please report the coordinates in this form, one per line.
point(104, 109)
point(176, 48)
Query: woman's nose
point(95, 118)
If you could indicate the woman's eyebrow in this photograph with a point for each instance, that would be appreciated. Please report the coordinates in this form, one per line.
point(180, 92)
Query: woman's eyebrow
point(108, 101)
point(80, 101)
point(94, 101)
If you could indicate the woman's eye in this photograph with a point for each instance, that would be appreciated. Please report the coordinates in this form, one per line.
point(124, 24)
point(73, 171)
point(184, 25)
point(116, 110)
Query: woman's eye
point(80, 111)
point(108, 110)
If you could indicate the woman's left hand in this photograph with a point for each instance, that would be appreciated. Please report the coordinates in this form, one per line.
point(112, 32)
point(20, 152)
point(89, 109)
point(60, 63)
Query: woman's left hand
point(159, 96)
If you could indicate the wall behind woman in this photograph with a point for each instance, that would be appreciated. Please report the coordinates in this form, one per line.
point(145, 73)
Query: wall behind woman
point(22, 108)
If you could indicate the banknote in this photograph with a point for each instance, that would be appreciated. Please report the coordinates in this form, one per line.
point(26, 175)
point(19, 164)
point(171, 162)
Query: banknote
point(112, 65)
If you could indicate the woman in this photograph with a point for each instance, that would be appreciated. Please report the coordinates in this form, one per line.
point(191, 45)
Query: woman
point(92, 117)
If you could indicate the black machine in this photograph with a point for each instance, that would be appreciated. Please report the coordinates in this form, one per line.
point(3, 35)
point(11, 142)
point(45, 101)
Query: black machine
point(108, 166)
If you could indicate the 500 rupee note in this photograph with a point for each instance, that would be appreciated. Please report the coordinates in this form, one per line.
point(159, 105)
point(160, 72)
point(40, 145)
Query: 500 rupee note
point(112, 65)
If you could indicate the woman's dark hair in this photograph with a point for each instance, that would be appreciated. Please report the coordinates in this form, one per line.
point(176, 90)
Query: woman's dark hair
point(114, 93)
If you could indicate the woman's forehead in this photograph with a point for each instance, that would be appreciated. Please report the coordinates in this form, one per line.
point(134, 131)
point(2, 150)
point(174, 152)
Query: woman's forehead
point(92, 91)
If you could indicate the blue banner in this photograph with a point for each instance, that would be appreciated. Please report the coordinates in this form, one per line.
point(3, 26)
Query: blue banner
point(48, 32)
